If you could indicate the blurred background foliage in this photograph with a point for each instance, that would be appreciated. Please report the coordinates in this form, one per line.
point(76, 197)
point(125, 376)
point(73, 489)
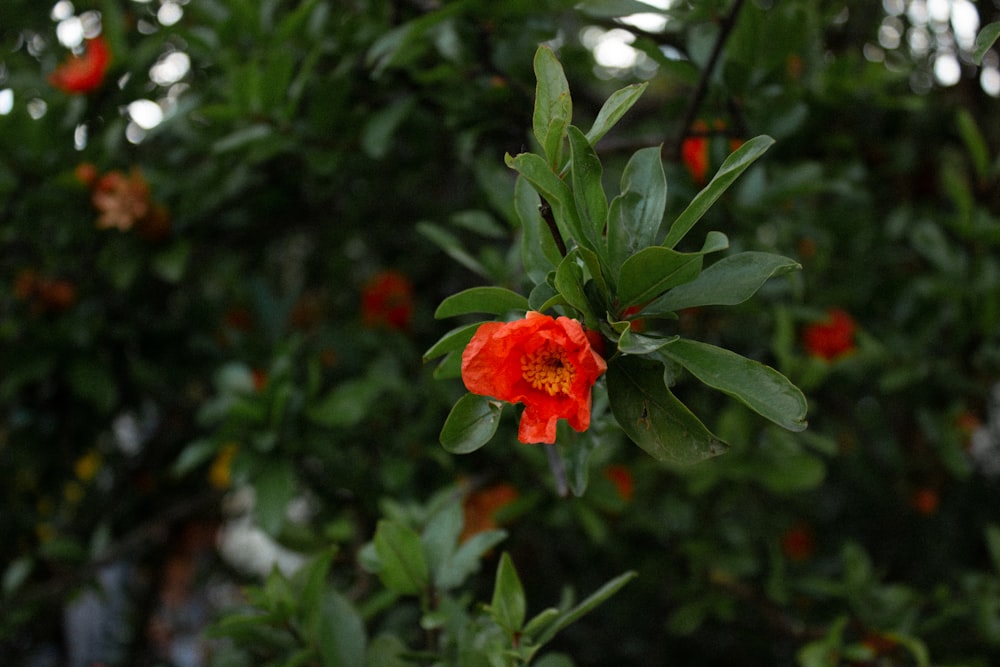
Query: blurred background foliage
point(223, 235)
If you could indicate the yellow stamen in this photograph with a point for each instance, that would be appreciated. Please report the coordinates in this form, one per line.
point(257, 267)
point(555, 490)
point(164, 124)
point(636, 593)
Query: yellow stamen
point(548, 369)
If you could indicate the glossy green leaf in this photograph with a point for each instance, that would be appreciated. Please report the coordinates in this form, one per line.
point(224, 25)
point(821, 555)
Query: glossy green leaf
point(538, 249)
point(616, 106)
point(454, 340)
point(761, 388)
point(652, 271)
point(731, 168)
point(636, 214)
point(552, 96)
point(490, 300)
point(588, 189)
point(471, 424)
point(653, 417)
point(402, 564)
point(985, 40)
point(507, 607)
point(730, 281)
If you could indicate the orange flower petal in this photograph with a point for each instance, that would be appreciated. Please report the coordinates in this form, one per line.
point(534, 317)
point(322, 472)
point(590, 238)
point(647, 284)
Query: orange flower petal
point(545, 363)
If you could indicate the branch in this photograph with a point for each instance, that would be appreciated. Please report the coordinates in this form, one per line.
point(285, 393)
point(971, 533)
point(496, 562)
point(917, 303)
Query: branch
point(726, 26)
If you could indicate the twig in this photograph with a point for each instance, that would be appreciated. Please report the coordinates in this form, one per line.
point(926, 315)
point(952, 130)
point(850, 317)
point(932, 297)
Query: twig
point(546, 211)
point(726, 26)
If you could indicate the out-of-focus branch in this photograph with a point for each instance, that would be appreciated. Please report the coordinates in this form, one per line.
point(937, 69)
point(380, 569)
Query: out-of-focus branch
point(726, 26)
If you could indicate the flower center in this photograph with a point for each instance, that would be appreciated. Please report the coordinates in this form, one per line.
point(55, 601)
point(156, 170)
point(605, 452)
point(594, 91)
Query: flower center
point(548, 369)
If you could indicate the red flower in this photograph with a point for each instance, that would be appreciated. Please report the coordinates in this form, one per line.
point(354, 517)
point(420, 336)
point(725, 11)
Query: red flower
point(82, 74)
point(832, 337)
point(387, 300)
point(799, 543)
point(925, 501)
point(480, 508)
point(543, 362)
point(694, 152)
point(621, 477)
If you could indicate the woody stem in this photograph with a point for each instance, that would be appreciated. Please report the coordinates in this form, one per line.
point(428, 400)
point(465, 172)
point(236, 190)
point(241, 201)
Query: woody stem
point(546, 212)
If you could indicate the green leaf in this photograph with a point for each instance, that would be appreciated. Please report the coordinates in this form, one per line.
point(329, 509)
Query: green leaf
point(553, 146)
point(171, 263)
point(731, 168)
point(541, 621)
point(588, 189)
point(379, 128)
point(16, 573)
point(552, 96)
point(454, 340)
point(402, 564)
point(652, 271)
point(635, 343)
point(490, 300)
point(653, 417)
point(761, 388)
point(452, 246)
point(472, 422)
point(616, 106)
point(586, 606)
point(636, 214)
point(985, 40)
point(347, 404)
point(974, 142)
point(312, 583)
point(465, 560)
point(556, 193)
point(508, 605)
point(730, 281)
point(275, 487)
point(243, 138)
point(610, 9)
point(440, 535)
point(569, 283)
point(538, 249)
point(341, 637)
point(387, 650)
